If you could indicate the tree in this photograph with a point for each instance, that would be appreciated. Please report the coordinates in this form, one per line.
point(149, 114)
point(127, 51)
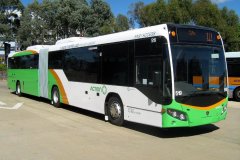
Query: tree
point(66, 9)
point(24, 36)
point(230, 29)
point(9, 18)
point(103, 18)
point(145, 17)
point(134, 13)
point(226, 22)
point(47, 21)
point(49, 10)
point(10, 3)
point(121, 23)
point(206, 14)
point(197, 12)
point(82, 20)
point(179, 11)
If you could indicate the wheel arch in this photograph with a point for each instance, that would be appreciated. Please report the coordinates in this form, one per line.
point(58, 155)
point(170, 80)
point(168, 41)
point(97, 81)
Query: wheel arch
point(18, 81)
point(111, 94)
point(235, 89)
point(54, 85)
point(50, 93)
point(56, 104)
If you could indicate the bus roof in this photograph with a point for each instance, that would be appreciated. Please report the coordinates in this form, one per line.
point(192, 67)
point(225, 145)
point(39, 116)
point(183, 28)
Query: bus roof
point(75, 42)
point(232, 54)
point(38, 47)
point(151, 31)
point(30, 50)
point(158, 30)
point(69, 40)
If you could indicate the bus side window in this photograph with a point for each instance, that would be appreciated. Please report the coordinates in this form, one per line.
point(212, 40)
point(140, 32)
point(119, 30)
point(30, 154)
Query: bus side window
point(55, 59)
point(115, 63)
point(82, 64)
point(32, 61)
point(233, 70)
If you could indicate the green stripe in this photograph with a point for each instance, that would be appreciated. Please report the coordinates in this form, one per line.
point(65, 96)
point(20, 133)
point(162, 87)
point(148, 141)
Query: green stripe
point(23, 53)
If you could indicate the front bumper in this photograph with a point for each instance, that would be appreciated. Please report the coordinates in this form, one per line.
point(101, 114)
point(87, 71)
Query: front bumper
point(195, 116)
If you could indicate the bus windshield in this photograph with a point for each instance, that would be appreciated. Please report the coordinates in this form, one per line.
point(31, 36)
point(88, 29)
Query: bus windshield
point(198, 71)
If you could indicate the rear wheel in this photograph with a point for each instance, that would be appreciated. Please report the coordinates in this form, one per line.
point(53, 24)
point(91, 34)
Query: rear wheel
point(237, 94)
point(18, 89)
point(55, 97)
point(115, 111)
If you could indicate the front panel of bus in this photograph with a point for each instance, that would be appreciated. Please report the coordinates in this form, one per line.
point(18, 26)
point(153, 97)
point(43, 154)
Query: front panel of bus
point(200, 77)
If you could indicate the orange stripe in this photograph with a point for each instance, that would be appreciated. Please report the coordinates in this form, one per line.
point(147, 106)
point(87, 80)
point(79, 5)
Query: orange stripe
point(33, 52)
point(206, 108)
point(197, 80)
point(60, 85)
point(214, 80)
point(234, 80)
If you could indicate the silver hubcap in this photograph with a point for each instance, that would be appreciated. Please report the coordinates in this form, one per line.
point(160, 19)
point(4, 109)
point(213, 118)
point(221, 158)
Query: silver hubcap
point(115, 110)
point(55, 97)
point(18, 89)
point(238, 94)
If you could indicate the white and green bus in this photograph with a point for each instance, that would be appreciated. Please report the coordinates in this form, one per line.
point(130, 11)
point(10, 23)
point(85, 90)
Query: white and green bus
point(166, 75)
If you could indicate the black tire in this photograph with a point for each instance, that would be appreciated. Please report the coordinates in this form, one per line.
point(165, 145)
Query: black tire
point(55, 97)
point(115, 111)
point(236, 94)
point(18, 89)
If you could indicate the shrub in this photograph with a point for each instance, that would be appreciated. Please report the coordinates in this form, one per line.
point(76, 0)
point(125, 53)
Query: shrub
point(3, 67)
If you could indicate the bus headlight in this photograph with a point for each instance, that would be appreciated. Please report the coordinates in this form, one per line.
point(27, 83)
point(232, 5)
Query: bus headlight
point(177, 114)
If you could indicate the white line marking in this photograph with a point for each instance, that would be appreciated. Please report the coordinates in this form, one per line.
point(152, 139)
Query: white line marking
point(2, 103)
point(16, 106)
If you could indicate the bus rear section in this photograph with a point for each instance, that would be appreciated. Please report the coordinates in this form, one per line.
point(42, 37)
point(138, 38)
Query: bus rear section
point(27, 71)
point(23, 72)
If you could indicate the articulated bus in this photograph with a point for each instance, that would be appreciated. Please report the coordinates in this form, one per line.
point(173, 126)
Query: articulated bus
point(166, 75)
point(233, 63)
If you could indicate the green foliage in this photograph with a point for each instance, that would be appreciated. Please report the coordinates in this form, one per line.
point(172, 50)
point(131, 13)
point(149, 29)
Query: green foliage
point(103, 18)
point(25, 35)
point(17, 3)
point(3, 67)
point(9, 21)
point(44, 22)
point(50, 20)
point(121, 23)
point(135, 14)
point(82, 20)
point(199, 12)
point(179, 11)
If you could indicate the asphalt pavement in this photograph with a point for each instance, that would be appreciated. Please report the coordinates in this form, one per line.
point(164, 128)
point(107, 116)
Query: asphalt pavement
point(30, 128)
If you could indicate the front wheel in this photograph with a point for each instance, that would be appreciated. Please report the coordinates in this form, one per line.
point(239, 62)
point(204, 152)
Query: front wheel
point(236, 94)
point(55, 97)
point(115, 111)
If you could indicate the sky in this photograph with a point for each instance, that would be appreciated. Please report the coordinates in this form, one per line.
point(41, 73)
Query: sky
point(122, 6)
